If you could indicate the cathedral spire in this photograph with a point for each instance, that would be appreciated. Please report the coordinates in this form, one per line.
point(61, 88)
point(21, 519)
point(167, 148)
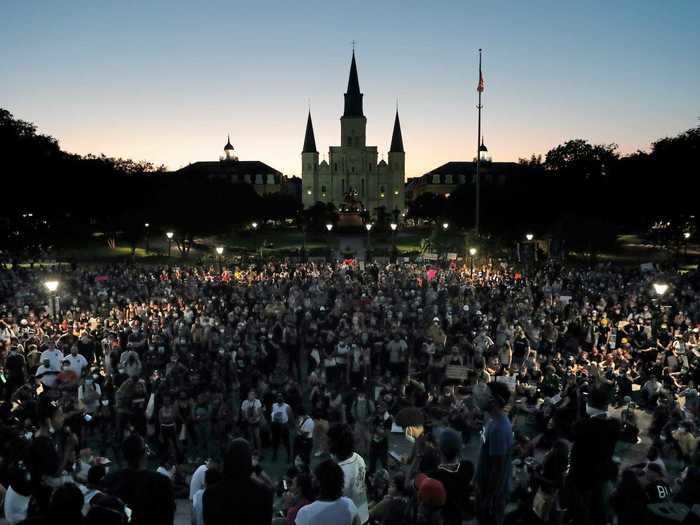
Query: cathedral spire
point(353, 97)
point(309, 139)
point(396, 138)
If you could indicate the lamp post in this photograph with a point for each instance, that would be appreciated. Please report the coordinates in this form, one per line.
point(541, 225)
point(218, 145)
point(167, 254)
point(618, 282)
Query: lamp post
point(329, 227)
point(393, 227)
point(529, 237)
point(147, 227)
point(254, 225)
point(220, 251)
point(472, 253)
point(369, 238)
point(52, 286)
point(686, 236)
point(169, 235)
point(660, 289)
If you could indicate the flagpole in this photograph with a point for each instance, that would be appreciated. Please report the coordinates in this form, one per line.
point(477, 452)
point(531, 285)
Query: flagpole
point(478, 153)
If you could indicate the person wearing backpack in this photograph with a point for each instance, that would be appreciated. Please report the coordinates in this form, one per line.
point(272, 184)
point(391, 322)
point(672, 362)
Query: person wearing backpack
point(280, 415)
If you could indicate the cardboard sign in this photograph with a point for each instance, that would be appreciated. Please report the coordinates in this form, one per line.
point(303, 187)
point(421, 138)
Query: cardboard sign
point(451, 256)
point(456, 372)
point(509, 381)
point(564, 299)
point(430, 256)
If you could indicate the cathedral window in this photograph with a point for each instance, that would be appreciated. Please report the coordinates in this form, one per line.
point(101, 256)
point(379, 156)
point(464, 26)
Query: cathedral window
point(363, 187)
point(323, 190)
point(335, 166)
point(370, 166)
point(381, 191)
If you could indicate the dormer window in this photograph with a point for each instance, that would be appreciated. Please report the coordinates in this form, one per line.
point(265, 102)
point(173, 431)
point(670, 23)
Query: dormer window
point(448, 179)
point(436, 179)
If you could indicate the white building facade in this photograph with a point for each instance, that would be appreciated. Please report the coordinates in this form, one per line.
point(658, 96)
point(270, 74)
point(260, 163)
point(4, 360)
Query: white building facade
point(352, 167)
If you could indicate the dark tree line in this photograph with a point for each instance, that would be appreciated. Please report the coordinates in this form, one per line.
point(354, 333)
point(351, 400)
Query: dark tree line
point(584, 193)
point(52, 196)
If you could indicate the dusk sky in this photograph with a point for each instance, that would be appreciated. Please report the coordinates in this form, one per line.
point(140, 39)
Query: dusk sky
point(166, 81)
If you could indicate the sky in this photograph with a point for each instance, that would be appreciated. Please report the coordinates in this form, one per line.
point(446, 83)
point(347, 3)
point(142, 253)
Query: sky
point(167, 81)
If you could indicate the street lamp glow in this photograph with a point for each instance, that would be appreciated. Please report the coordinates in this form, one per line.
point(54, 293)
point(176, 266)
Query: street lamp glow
point(686, 235)
point(393, 226)
point(329, 226)
point(219, 250)
point(368, 226)
point(147, 225)
point(660, 288)
point(254, 225)
point(472, 251)
point(169, 235)
point(51, 286)
point(445, 225)
point(529, 236)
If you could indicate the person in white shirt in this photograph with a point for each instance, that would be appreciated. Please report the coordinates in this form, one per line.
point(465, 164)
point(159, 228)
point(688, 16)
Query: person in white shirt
point(77, 362)
point(251, 412)
point(331, 508)
point(15, 505)
point(47, 374)
point(303, 443)
point(279, 426)
point(341, 445)
point(211, 477)
point(197, 481)
point(55, 357)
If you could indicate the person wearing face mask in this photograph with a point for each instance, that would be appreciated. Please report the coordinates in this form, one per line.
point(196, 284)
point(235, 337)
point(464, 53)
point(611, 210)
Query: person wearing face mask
point(494, 468)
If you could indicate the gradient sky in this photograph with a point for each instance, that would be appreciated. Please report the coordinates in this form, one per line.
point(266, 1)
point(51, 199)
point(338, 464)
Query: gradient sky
point(166, 81)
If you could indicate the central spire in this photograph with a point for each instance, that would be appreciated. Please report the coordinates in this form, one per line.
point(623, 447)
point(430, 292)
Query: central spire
point(353, 97)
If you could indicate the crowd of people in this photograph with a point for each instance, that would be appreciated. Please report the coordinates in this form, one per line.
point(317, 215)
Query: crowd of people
point(134, 386)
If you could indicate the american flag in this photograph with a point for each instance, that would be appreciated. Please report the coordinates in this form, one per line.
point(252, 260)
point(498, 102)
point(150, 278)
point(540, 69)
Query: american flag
point(480, 87)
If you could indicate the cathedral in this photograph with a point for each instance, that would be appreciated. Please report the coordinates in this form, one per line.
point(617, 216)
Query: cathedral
point(352, 168)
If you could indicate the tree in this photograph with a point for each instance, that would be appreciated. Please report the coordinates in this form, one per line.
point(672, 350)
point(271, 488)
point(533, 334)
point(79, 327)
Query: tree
point(577, 158)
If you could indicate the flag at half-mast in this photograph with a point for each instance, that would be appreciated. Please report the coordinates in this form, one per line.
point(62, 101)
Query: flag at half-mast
point(480, 87)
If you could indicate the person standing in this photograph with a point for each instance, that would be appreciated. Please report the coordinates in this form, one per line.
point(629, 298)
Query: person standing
point(592, 467)
point(342, 444)
point(494, 469)
point(148, 494)
point(251, 412)
point(238, 499)
point(279, 426)
point(331, 506)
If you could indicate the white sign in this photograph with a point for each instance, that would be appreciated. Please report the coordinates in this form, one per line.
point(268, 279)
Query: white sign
point(452, 256)
point(509, 381)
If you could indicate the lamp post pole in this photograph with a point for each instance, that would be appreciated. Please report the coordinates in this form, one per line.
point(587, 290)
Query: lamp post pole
point(369, 238)
point(148, 239)
point(54, 309)
point(394, 251)
point(472, 253)
point(169, 235)
point(255, 239)
point(329, 227)
point(445, 226)
point(220, 251)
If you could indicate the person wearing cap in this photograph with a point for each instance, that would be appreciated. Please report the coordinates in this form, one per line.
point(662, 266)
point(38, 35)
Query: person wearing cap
point(431, 497)
point(494, 469)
